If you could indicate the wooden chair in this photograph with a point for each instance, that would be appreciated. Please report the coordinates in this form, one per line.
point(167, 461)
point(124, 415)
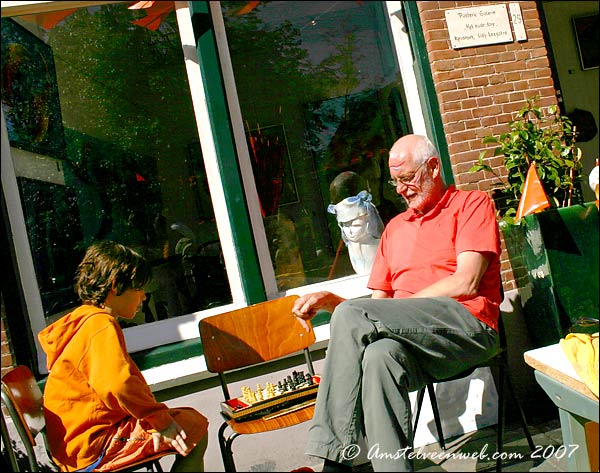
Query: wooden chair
point(245, 337)
point(22, 397)
point(498, 361)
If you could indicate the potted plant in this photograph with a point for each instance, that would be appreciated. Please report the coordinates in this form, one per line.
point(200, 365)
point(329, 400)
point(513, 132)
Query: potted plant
point(553, 253)
point(543, 136)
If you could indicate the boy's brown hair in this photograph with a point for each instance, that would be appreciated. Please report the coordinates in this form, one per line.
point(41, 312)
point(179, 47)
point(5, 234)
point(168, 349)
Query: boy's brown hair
point(107, 264)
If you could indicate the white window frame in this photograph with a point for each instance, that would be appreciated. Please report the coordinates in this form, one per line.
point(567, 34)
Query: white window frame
point(164, 331)
point(350, 286)
point(186, 327)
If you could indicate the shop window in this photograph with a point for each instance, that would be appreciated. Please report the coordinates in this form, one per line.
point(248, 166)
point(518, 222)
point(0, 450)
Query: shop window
point(105, 146)
point(320, 94)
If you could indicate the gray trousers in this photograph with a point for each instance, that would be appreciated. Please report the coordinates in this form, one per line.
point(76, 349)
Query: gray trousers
point(380, 350)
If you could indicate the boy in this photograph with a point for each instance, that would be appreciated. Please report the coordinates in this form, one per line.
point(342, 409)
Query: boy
point(100, 412)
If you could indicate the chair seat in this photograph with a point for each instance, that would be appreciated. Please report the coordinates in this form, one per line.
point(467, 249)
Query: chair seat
point(260, 425)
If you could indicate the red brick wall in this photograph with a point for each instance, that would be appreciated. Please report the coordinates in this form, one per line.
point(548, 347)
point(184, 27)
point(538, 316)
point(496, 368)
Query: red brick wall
point(479, 89)
point(7, 359)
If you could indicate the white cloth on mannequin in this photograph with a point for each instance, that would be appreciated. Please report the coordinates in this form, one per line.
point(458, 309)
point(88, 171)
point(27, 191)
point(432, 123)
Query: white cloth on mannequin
point(361, 228)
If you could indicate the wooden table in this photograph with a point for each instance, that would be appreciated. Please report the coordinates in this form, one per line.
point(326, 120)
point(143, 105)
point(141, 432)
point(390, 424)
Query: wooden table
point(577, 405)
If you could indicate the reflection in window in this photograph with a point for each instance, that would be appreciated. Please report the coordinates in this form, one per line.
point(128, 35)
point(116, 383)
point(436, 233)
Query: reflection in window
point(320, 95)
point(105, 146)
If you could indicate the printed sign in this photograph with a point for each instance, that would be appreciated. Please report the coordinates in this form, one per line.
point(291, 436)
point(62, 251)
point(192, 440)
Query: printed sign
point(477, 26)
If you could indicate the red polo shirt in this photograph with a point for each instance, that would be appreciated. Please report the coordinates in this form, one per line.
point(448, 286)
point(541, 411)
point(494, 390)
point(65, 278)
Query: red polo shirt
point(417, 250)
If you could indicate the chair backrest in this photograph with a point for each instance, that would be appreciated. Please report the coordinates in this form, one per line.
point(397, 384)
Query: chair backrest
point(22, 398)
point(254, 334)
point(20, 388)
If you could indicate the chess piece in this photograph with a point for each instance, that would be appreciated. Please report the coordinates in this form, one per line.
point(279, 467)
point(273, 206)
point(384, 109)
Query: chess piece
point(290, 382)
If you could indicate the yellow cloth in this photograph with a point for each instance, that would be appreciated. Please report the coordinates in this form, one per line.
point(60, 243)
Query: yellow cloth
point(581, 350)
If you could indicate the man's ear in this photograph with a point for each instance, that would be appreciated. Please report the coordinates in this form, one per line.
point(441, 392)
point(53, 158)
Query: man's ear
point(434, 164)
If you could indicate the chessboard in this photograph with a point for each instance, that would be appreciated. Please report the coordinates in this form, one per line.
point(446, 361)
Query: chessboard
point(272, 399)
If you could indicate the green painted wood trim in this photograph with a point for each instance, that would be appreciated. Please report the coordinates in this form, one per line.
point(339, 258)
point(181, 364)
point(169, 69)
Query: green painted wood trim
point(220, 123)
point(321, 318)
point(165, 354)
point(427, 93)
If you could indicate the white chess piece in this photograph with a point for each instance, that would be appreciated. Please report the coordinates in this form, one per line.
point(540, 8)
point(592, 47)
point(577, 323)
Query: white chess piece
point(361, 228)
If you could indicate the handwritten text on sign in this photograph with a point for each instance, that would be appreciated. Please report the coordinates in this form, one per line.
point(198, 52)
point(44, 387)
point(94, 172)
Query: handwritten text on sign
point(476, 26)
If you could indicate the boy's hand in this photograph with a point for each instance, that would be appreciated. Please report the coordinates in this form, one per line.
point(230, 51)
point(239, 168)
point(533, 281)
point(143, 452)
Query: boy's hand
point(173, 435)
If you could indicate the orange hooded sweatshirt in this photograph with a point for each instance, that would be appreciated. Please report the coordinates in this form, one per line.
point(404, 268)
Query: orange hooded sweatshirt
point(92, 385)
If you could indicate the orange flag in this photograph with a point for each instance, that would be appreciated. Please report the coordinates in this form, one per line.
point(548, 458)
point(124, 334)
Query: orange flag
point(247, 8)
point(534, 198)
point(156, 12)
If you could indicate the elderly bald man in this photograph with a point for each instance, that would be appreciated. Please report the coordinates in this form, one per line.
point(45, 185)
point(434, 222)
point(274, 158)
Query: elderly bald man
point(433, 312)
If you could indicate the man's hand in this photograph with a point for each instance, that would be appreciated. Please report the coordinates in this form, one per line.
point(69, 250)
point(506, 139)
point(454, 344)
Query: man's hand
point(173, 435)
point(307, 306)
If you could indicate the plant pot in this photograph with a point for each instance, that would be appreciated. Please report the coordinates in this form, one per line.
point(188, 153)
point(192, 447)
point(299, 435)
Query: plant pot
point(554, 256)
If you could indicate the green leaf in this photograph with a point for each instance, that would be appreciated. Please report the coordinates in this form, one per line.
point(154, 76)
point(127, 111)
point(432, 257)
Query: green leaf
point(489, 139)
point(544, 136)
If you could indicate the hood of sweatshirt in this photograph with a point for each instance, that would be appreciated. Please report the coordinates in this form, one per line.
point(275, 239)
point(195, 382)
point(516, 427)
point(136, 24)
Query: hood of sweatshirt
point(58, 335)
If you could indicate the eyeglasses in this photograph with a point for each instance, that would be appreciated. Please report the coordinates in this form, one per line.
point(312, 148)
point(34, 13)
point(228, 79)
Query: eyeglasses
point(406, 180)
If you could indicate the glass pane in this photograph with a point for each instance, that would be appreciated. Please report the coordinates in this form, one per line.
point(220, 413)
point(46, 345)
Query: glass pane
point(105, 146)
point(321, 95)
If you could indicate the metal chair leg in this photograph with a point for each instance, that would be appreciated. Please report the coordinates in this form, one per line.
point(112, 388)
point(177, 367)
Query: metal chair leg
point(522, 418)
point(420, 395)
point(225, 446)
point(436, 415)
point(6, 441)
point(436, 412)
point(501, 414)
point(505, 379)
